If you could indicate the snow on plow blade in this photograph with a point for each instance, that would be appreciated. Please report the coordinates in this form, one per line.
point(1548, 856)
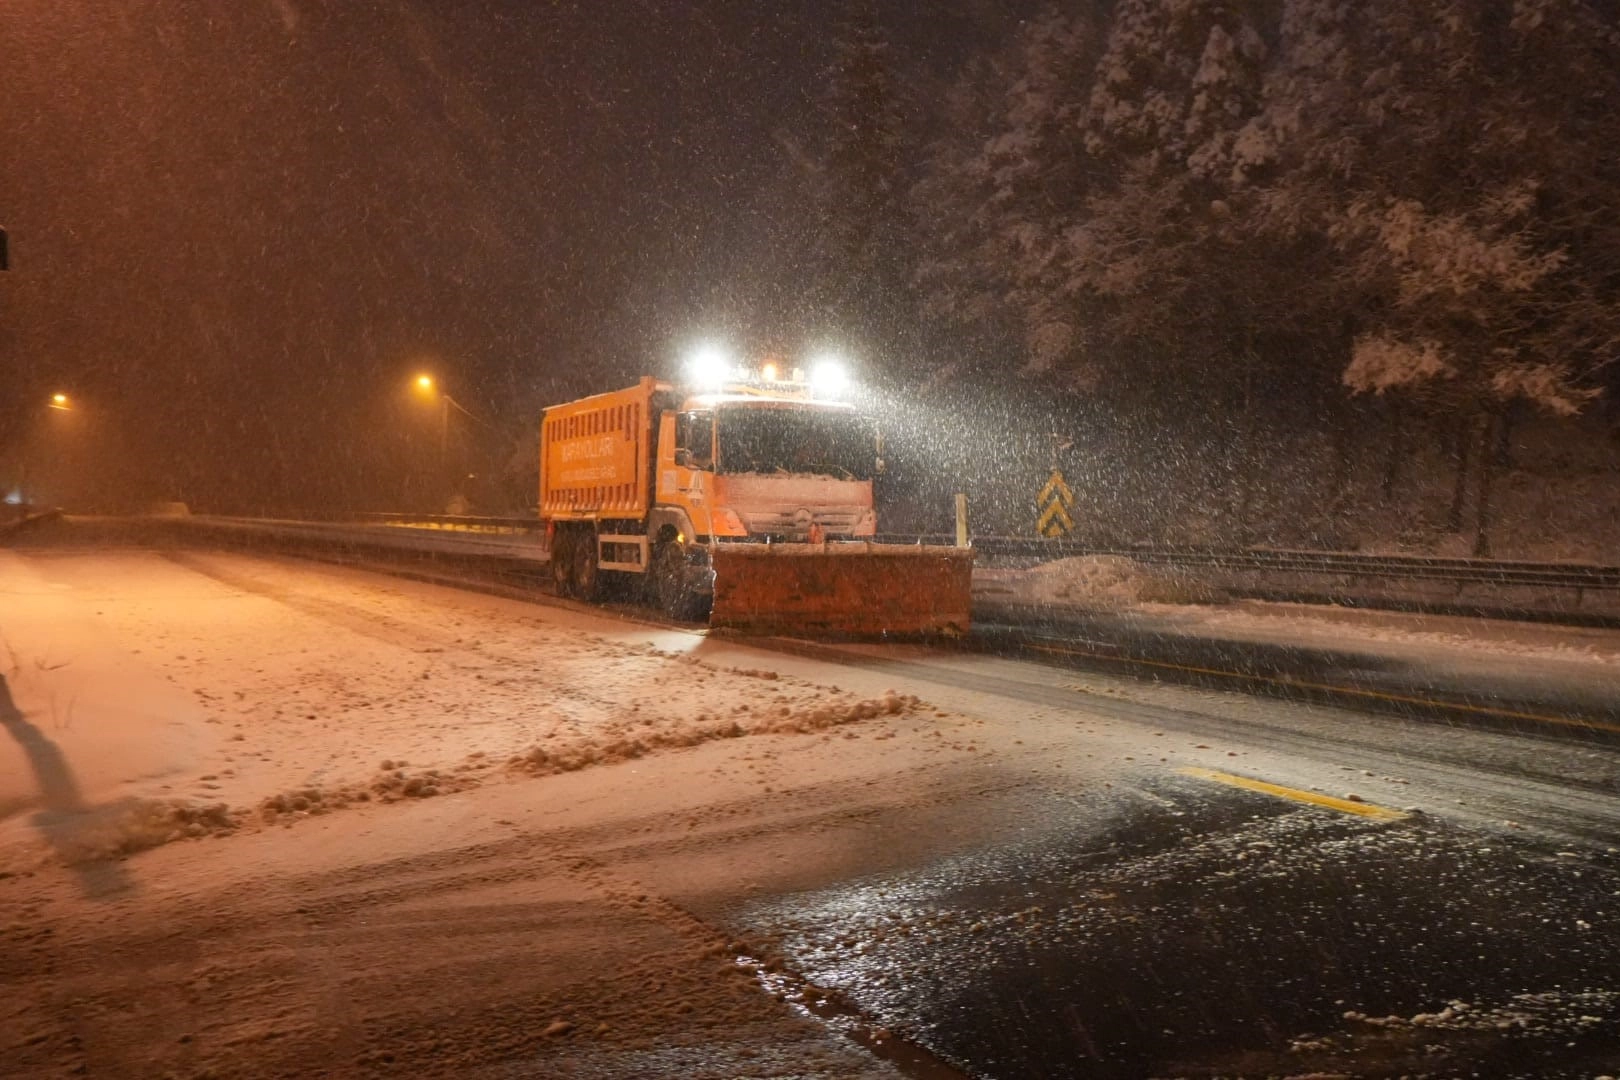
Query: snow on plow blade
point(854, 588)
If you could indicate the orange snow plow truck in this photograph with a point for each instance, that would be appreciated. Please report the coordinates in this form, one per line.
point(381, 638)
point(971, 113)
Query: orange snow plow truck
point(750, 503)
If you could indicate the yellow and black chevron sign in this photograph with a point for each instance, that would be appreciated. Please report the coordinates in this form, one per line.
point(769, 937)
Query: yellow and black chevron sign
point(1053, 505)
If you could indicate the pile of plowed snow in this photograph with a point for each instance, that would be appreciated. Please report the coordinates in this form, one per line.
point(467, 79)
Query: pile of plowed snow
point(637, 738)
point(392, 782)
point(1092, 581)
point(131, 825)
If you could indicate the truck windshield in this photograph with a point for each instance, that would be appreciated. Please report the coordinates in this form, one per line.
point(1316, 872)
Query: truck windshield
point(789, 440)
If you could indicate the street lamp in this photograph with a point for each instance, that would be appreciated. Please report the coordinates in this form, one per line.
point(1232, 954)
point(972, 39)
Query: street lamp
point(426, 385)
point(55, 451)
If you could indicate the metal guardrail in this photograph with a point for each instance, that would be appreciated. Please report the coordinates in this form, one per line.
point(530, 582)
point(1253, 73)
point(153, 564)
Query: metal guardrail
point(455, 523)
point(1574, 593)
point(1438, 568)
point(512, 549)
point(1415, 567)
point(1482, 571)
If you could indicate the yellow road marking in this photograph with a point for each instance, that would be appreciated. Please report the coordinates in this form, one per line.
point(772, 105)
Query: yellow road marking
point(1367, 810)
point(1303, 684)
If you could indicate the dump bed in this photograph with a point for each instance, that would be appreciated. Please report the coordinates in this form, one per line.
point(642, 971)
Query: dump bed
point(596, 455)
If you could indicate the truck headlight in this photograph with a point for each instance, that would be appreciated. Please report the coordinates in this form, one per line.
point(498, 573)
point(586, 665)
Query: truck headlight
point(728, 523)
point(708, 367)
point(829, 377)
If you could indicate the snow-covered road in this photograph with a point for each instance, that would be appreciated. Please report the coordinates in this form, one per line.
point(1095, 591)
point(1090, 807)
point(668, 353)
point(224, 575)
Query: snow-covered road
point(265, 817)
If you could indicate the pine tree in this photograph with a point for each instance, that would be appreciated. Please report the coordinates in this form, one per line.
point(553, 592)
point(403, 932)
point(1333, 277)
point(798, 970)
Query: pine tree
point(863, 278)
point(1462, 191)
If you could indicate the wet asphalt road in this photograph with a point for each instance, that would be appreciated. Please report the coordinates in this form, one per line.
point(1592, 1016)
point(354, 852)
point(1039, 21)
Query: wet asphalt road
point(1184, 928)
point(1169, 925)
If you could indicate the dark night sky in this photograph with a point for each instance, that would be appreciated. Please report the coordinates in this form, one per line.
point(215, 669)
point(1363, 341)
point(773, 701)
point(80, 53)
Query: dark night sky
point(237, 229)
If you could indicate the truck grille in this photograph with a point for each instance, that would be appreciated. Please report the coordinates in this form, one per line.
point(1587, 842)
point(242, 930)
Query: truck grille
point(795, 524)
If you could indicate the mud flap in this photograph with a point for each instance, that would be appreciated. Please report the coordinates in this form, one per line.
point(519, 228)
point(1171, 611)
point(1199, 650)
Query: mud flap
point(844, 589)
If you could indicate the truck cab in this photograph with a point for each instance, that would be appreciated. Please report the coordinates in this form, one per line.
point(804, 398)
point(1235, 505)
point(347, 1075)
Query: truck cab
point(769, 466)
point(767, 469)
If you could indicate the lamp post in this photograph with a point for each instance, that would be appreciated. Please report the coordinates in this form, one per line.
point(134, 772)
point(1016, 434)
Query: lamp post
point(50, 446)
point(426, 385)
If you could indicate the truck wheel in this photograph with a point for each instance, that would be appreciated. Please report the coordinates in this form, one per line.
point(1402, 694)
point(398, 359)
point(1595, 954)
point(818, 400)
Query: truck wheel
point(667, 578)
point(562, 560)
point(587, 578)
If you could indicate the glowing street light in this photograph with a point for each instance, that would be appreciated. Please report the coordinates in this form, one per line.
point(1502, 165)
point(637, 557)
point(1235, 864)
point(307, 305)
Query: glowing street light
point(60, 401)
point(427, 386)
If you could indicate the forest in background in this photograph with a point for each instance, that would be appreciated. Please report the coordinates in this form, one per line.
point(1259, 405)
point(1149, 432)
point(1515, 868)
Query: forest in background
point(1287, 271)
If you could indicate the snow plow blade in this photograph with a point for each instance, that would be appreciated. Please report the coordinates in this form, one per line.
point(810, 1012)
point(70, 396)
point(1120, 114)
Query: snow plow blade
point(852, 589)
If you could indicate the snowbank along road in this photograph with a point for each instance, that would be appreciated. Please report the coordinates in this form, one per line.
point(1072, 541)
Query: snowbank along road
point(261, 818)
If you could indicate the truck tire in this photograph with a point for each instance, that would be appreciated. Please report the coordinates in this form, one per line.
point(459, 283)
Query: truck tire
point(667, 585)
point(587, 579)
point(562, 560)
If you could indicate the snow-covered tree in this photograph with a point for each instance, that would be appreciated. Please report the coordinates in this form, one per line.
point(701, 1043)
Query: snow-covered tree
point(962, 282)
point(1202, 197)
point(863, 277)
point(1461, 191)
point(1427, 144)
point(1003, 179)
